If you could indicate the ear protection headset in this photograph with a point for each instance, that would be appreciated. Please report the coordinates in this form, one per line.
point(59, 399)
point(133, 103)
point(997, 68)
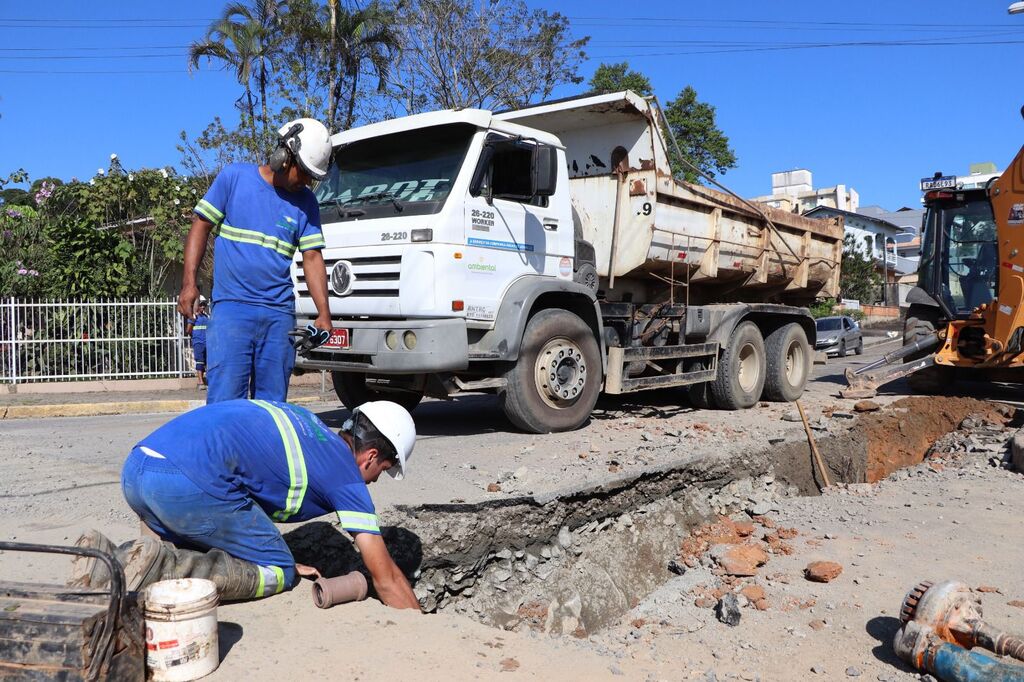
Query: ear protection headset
point(288, 146)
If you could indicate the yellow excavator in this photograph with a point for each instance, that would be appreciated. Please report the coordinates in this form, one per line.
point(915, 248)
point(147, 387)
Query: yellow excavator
point(966, 316)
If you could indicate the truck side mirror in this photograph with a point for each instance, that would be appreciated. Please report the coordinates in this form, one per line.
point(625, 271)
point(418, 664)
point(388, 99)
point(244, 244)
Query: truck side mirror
point(544, 170)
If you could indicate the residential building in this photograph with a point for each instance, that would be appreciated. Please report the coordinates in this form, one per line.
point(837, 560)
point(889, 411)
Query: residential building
point(794, 191)
point(908, 218)
point(879, 240)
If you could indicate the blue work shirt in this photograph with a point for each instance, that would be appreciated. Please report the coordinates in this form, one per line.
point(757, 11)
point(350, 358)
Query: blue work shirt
point(281, 456)
point(258, 228)
point(199, 328)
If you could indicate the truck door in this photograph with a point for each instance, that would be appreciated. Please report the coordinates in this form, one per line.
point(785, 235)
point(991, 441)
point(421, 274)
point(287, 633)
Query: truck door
point(510, 231)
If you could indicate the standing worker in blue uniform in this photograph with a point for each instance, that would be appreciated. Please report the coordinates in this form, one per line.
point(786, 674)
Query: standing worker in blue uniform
point(211, 482)
point(197, 329)
point(260, 215)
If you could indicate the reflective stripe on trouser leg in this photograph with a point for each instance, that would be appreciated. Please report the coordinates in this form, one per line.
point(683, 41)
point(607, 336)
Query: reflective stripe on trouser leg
point(271, 581)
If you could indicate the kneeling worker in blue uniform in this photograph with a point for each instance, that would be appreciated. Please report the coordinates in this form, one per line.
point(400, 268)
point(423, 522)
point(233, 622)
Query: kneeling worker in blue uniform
point(211, 483)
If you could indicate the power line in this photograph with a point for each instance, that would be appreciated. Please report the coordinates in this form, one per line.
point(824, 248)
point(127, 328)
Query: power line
point(90, 56)
point(111, 73)
point(809, 47)
point(105, 47)
point(774, 23)
point(6, 23)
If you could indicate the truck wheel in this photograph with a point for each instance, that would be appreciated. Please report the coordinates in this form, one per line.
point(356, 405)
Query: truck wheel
point(789, 362)
point(353, 391)
point(921, 322)
point(741, 369)
point(555, 383)
point(700, 394)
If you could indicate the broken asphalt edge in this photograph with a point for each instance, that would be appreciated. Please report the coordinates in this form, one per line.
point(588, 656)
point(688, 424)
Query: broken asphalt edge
point(111, 408)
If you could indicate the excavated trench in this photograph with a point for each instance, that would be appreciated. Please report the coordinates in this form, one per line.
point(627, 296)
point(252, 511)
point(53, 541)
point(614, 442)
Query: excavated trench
point(574, 561)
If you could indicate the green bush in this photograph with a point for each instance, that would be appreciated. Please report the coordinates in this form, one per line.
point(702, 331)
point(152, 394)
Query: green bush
point(823, 308)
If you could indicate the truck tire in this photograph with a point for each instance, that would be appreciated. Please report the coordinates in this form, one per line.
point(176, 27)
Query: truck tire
point(352, 391)
point(919, 323)
point(555, 383)
point(700, 394)
point(741, 369)
point(788, 357)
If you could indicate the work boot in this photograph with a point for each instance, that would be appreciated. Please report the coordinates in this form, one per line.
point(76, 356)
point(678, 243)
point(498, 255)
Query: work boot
point(149, 560)
point(89, 572)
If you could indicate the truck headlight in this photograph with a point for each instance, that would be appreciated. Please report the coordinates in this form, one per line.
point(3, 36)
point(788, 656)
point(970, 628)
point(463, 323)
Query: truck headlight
point(424, 234)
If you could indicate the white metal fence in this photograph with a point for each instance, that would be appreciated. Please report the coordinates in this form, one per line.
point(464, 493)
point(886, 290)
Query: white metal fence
point(71, 340)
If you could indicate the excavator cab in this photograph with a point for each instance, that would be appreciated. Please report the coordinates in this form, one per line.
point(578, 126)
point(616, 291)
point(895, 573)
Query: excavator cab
point(959, 266)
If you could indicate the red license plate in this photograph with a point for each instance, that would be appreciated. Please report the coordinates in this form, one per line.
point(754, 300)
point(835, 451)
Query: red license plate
point(339, 339)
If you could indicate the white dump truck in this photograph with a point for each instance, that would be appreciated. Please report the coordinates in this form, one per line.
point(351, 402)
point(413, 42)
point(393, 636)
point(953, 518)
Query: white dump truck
point(547, 254)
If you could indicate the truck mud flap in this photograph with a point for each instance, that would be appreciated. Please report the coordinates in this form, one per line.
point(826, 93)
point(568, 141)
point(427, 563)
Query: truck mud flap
point(665, 361)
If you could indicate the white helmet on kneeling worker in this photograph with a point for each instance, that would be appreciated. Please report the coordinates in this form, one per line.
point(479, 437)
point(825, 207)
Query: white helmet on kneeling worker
point(383, 420)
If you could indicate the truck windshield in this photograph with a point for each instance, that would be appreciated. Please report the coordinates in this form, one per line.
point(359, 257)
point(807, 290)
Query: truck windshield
point(967, 268)
point(406, 173)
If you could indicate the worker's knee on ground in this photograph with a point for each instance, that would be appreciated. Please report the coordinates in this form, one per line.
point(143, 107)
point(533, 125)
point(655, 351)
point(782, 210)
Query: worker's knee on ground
point(275, 579)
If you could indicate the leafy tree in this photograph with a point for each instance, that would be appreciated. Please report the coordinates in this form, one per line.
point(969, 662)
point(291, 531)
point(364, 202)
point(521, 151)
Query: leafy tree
point(458, 53)
point(700, 140)
point(618, 77)
point(352, 38)
point(248, 40)
point(858, 277)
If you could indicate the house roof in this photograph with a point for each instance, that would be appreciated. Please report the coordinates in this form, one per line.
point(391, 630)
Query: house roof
point(881, 223)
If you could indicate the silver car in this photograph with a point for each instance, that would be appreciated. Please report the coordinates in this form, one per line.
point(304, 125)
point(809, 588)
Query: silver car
point(838, 335)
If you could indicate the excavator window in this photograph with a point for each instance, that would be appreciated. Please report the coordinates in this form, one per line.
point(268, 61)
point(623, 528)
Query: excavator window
point(969, 262)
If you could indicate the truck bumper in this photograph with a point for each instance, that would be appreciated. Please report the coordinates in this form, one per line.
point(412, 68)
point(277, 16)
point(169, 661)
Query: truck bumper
point(440, 346)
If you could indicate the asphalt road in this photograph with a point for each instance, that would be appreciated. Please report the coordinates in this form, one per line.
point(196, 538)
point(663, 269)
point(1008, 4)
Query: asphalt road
point(61, 475)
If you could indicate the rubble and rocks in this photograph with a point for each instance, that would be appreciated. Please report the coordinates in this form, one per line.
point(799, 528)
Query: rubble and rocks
point(823, 571)
point(756, 496)
point(728, 609)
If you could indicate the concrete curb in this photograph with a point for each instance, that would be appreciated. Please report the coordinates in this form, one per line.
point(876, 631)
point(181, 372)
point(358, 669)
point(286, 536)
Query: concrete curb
point(110, 408)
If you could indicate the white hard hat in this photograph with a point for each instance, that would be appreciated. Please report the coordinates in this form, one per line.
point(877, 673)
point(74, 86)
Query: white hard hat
point(310, 144)
point(394, 423)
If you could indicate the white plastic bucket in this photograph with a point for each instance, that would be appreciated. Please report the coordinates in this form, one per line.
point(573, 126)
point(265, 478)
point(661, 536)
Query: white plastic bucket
point(181, 629)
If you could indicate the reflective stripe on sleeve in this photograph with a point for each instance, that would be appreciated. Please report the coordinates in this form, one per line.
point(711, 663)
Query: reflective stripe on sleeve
point(351, 520)
point(313, 241)
point(209, 211)
point(296, 461)
point(237, 234)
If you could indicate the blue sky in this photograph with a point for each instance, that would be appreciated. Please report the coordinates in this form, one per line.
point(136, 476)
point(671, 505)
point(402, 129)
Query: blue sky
point(873, 115)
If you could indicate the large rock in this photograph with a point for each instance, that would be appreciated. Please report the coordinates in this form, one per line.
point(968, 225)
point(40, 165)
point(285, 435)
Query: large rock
point(739, 560)
point(728, 609)
point(822, 571)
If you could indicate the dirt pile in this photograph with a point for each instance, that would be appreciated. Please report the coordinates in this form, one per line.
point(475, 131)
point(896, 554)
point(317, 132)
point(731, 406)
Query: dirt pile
point(902, 435)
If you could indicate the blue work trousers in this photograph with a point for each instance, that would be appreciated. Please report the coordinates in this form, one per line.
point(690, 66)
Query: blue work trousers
point(188, 517)
point(249, 353)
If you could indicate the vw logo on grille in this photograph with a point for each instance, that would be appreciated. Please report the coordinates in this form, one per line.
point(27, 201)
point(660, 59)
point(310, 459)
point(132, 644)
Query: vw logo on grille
point(342, 278)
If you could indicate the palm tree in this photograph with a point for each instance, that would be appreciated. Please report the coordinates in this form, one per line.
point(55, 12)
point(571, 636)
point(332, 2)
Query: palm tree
point(351, 38)
point(246, 39)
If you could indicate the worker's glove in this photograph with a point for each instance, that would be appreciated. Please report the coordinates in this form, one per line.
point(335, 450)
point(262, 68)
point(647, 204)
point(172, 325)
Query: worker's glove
point(309, 338)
